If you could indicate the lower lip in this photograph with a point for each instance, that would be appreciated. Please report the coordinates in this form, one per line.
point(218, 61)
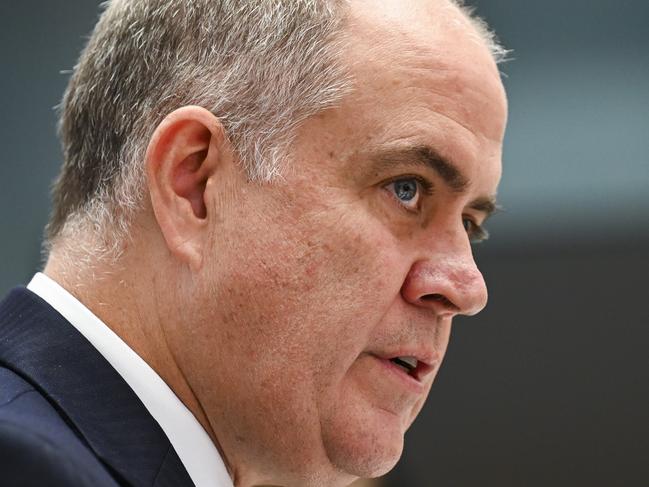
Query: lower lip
point(407, 381)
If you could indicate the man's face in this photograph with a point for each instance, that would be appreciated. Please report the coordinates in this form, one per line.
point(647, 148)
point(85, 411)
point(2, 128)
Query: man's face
point(360, 254)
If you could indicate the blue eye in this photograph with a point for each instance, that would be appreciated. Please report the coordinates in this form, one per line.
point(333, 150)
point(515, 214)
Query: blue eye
point(407, 191)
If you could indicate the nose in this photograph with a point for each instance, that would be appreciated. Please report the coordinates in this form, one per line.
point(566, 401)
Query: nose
point(446, 283)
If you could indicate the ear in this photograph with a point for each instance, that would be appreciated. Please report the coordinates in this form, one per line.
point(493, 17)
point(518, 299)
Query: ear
point(185, 151)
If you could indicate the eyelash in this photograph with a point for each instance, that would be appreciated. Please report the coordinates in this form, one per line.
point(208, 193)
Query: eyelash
point(476, 233)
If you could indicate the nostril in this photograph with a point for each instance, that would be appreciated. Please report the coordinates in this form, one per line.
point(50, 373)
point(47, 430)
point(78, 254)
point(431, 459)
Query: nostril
point(439, 298)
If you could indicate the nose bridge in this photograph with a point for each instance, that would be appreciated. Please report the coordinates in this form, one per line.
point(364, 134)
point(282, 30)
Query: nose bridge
point(447, 278)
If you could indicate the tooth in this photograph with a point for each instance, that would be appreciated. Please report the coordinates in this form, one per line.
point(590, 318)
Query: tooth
point(411, 361)
point(401, 364)
point(408, 364)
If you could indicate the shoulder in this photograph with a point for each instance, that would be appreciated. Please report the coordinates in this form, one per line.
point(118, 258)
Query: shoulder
point(30, 459)
point(37, 447)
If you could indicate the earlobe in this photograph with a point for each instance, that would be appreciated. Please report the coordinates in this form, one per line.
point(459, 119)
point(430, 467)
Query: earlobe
point(184, 153)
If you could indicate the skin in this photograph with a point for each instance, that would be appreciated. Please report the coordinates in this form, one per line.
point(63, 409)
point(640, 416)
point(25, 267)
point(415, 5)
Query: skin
point(271, 310)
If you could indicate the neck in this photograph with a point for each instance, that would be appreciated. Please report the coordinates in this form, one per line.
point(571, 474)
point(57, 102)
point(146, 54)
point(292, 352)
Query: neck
point(129, 298)
point(124, 296)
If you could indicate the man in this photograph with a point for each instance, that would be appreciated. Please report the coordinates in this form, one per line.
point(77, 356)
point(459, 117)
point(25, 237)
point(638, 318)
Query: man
point(261, 233)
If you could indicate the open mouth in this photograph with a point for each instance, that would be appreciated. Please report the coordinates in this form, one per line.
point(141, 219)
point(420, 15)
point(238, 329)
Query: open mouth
point(408, 364)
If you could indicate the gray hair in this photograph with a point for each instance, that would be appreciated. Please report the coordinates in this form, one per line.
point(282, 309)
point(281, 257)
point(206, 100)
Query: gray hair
point(499, 53)
point(261, 66)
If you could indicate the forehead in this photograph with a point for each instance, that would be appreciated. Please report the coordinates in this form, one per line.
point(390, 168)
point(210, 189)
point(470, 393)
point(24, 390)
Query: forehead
point(411, 49)
point(423, 75)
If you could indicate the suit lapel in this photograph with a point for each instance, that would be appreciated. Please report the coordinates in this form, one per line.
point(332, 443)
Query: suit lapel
point(37, 343)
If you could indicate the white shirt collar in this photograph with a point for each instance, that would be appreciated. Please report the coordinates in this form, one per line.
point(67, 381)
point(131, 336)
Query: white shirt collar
point(192, 444)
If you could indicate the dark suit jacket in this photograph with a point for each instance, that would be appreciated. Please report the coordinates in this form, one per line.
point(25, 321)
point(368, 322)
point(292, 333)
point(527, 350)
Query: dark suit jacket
point(67, 418)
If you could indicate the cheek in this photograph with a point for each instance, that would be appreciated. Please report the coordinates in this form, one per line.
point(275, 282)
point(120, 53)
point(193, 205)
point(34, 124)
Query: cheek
point(283, 324)
point(350, 283)
point(306, 301)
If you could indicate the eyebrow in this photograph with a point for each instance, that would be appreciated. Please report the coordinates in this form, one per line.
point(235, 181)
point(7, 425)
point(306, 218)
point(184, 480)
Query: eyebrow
point(427, 156)
point(486, 205)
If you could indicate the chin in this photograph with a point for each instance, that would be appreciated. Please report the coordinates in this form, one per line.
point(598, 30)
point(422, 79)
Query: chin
point(367, 448)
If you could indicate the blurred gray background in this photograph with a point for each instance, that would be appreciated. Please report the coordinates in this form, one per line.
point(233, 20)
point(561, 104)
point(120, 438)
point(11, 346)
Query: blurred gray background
point(549, 386)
